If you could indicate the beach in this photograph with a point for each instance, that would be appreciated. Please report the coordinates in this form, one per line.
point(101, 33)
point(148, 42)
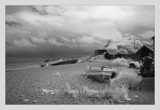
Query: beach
point(34, 85)
point(79, 55)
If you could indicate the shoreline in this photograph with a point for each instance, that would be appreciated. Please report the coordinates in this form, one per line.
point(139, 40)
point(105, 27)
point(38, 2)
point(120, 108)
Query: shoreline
point(18, 69)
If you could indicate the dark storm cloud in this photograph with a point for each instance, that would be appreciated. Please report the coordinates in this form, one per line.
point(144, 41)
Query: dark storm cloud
point(47, 10)
point(12, 23)
point(42, 11)
point(73, 30)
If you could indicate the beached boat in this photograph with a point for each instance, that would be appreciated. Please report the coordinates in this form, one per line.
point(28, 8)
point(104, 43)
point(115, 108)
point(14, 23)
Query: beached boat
point(58, 62)
point(100, 74)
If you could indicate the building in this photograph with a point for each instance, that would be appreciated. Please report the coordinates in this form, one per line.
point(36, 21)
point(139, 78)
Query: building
point(147, 49)
point(146, 55)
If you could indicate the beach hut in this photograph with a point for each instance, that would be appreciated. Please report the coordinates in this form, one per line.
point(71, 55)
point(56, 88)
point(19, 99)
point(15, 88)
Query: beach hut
point(146, 54)
point(99, 52)
point(146, 50)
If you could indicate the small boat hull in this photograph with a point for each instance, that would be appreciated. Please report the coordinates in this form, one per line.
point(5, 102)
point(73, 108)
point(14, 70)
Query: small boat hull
point(100, 74)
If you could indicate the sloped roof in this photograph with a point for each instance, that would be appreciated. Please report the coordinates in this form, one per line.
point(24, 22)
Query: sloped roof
point(151, 47)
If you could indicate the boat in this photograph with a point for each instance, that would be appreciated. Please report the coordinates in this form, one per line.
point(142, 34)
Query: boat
point(100, 74)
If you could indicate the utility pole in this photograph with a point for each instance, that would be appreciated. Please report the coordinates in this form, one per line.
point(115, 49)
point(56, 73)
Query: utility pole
point(134, 44)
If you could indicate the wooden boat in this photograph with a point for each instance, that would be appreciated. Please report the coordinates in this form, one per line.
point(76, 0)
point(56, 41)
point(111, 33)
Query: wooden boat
point(100, 74)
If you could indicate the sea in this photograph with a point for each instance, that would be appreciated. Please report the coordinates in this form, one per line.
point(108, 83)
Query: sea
point(16, 63)
point(19, 63)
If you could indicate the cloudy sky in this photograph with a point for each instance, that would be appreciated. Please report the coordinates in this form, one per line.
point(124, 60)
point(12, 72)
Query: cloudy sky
point(73, 31)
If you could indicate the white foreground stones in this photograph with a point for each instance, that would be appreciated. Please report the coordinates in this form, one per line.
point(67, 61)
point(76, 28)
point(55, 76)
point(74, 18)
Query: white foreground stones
point(47, 91)
point(26, 100)
point(56, 74)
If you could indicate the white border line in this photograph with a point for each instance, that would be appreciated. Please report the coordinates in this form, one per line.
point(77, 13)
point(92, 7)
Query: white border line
point(78, 2)
point(81, 2)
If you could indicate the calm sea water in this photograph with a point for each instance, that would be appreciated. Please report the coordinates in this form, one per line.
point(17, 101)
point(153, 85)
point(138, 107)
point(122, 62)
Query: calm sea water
point(22, 63)
point(16, 63)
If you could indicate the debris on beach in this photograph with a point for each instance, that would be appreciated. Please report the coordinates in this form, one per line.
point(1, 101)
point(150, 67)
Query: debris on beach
point(136, 96)
point(42, 93)
point(35, 101)
point(26, 100)
point(126, 98)
point(47, 91)
point(57, 73)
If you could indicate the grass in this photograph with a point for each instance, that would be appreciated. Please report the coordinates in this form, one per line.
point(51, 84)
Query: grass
point(128, 78)
point(116, 92)
point(84, 95)
point(120, 62)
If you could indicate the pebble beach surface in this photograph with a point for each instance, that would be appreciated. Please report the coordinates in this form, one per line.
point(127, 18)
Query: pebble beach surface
point(39, 85)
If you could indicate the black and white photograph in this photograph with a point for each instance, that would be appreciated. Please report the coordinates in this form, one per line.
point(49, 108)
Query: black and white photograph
point(80, 55)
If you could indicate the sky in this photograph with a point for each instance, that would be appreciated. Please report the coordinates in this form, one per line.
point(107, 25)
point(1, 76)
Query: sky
point(73, 31)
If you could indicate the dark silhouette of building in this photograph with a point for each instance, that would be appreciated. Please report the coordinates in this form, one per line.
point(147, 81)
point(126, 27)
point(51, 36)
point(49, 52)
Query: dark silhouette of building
point(147, 49)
